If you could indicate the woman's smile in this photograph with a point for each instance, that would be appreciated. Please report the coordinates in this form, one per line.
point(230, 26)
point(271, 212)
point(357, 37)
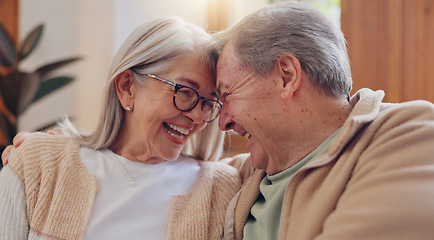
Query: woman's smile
point(177, 133)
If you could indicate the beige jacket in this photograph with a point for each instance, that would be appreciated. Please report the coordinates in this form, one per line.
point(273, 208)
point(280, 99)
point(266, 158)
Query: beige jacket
point(46, 193)
point(375, 182)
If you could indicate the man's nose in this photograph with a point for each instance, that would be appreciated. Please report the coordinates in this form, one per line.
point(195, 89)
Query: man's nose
point(225, 121)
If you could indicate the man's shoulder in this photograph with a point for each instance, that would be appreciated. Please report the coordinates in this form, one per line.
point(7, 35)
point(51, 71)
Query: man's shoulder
point(419, 110)
point(40, 150)
point(421, 106)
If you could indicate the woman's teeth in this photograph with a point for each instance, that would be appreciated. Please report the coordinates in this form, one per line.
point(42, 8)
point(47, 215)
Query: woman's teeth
point(179, 129)
point(175, 135)
point(176, 131)
point(247, 135)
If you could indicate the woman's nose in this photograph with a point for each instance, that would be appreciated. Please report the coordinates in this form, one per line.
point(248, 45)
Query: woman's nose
point(196, 114)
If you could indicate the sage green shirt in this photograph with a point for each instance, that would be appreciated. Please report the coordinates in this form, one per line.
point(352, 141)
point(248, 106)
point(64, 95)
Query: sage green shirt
point(264, 220)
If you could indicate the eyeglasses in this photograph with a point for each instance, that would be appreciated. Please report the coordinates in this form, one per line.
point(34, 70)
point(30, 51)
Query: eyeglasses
point(186, 98)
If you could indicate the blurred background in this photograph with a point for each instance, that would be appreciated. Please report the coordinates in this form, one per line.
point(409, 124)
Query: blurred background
point(391, 45)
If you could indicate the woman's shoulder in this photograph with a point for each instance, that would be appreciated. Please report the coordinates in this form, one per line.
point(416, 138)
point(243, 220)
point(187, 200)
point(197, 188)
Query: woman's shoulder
point(220, 172)
point(217, 166)
point(242, 163)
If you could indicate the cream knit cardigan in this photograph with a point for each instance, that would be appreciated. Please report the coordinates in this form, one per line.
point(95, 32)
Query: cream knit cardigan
point(46, 193)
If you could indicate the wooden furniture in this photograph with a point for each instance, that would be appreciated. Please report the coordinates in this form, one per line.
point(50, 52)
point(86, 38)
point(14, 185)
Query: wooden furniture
point(391, 46)
point(9, 19)
point(9, 16)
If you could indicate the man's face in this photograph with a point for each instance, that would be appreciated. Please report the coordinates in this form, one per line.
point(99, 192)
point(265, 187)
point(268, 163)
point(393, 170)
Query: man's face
point(248, 106)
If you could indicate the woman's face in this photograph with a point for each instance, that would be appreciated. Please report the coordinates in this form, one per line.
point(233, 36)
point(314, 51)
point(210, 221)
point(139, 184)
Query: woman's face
point(156, 129)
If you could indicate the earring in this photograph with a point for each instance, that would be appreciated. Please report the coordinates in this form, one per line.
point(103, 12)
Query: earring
point(128, 108)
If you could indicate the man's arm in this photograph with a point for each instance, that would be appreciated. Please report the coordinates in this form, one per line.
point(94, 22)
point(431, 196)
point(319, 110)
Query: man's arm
point(21, 136)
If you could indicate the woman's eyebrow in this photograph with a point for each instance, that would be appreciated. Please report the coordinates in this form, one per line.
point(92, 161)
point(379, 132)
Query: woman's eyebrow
point(196, 86)
point(214, 94)
point(192, 83)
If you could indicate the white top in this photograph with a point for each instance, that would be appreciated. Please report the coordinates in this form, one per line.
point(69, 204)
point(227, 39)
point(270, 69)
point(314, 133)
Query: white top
point(141, 211)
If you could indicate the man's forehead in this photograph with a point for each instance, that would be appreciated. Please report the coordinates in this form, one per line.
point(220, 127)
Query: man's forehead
point(225, 76)
point(226, 64)
point(222, 71)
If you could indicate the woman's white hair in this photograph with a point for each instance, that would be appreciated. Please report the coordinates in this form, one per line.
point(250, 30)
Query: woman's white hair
point(297, 29)
point(152, 48)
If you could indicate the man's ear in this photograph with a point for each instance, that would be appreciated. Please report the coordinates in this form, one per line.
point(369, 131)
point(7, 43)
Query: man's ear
point(289, 70)
point(125, 88)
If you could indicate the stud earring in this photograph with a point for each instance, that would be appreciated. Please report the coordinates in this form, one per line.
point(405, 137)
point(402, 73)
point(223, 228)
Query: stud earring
point(128, 108)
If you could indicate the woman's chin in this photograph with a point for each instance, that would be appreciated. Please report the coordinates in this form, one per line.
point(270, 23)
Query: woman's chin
point(172, 156)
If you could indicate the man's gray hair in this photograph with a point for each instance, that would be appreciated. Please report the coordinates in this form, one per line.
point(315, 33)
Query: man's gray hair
point(297, 29)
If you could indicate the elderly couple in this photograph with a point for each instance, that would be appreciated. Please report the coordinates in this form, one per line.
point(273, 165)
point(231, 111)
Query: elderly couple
point(322, 165)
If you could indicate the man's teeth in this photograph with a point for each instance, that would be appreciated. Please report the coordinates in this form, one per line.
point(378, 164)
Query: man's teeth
point(247, 135)
point(179, 129)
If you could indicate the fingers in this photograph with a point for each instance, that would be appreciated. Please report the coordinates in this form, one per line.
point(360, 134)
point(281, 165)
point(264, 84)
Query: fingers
point(19, 138)
point(5, 155)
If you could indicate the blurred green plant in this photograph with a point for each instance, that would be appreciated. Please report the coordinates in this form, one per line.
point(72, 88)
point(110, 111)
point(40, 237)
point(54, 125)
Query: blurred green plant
point(328, 7)
point(19, 89)
point(331, 8)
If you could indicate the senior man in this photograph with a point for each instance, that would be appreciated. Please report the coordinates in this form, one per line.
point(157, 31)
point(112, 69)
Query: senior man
point(325, 166)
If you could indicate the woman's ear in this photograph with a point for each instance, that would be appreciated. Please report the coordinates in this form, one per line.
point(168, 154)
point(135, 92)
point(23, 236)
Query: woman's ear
point(289, 70)
point(124, 83)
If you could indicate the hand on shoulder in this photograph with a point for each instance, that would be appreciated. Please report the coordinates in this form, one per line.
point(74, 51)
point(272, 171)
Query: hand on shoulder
point(21, 136)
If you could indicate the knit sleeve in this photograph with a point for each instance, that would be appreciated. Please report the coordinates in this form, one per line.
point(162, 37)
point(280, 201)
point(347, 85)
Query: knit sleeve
point(226, 184)
point(13, 218)
point(57, 192)
point(200, 213)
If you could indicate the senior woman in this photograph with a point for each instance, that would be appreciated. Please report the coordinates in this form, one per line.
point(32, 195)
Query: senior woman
point(135, 176)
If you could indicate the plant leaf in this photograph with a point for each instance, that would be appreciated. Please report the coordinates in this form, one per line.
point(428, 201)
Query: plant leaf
point(4, 110)
point(4, 131)
point(50, 85)
point(10, 88)
point(53, 66)
point(8, 55)
point(30, 83)
point(7, 131)
point(31, 41)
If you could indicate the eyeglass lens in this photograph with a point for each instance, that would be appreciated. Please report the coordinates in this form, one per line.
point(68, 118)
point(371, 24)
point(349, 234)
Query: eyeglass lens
point(186, 99)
